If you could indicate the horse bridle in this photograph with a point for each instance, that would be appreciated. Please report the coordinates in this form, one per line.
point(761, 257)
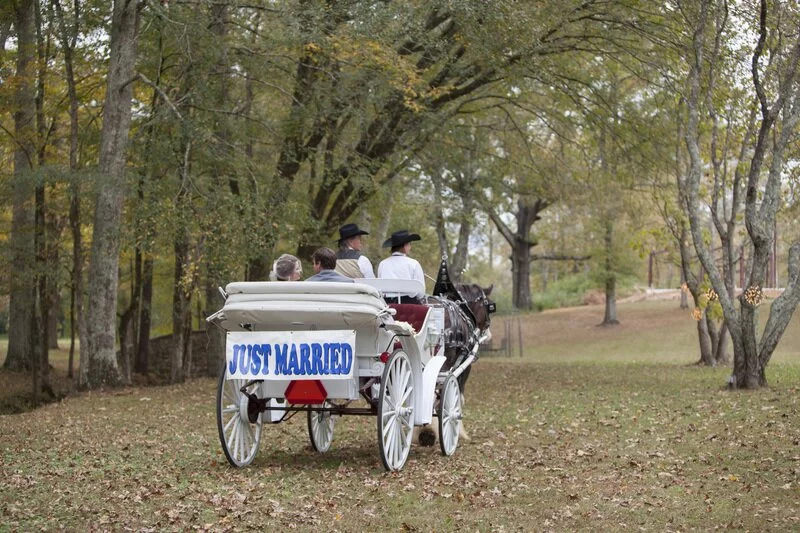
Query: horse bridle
point(487, 304)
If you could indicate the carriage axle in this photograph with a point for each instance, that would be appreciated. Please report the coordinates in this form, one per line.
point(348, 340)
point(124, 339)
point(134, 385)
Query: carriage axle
point(256, 406)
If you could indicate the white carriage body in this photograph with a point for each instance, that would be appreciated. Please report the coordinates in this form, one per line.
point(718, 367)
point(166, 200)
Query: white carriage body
point(314, 309)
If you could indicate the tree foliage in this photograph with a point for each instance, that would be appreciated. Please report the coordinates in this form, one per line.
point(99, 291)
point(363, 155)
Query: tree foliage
point(260, 127)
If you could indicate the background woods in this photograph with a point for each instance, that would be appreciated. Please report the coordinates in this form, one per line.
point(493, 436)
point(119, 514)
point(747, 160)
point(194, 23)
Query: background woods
point(154, 151)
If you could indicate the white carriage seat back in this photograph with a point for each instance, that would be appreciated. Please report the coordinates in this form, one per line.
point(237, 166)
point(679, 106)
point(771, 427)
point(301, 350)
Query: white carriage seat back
point(289, 305)
point(393, 289)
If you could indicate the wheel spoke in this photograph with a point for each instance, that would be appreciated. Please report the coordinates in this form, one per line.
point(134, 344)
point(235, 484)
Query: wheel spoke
point(239, 438)
point(395, 411)
point(388, 429)
point(238, 453)
point(449, 416)
point(234, 439)
point(390, 441)
point(245, 440)
point(406, 395)
point(399, 382)
point(402, 440)
point(230, 423)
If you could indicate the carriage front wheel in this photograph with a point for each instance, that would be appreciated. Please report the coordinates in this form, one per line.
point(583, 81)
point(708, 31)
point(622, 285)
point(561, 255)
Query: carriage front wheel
point(396, 411)
point(239, 430)
point(449, 415)
point(320, 428)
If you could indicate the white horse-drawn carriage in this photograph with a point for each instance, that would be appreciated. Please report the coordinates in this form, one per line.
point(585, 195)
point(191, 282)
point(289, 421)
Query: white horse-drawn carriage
point(332, 349)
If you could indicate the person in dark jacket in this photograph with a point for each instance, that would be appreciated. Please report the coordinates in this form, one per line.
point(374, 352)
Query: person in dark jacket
point(324, 261)
point(350, 261)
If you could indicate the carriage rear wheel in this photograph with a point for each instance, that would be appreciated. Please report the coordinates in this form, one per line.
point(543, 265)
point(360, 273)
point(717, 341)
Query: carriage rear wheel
point(396, 411)
point(449, 415)
point(238, 435)
point(320, 428)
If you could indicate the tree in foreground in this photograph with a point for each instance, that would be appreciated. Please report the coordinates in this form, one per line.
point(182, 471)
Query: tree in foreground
point(20, 346)
point(775, 90)
point(99, 351)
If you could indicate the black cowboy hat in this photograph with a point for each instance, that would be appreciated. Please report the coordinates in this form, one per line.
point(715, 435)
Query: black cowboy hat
point(399, 238)
point(350, 230)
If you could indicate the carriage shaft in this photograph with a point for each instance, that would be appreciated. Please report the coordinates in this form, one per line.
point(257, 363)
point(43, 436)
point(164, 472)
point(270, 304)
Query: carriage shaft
point(473, 355)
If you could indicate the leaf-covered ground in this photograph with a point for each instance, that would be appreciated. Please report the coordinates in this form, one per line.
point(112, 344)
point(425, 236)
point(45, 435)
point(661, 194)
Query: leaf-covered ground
point(576, 442)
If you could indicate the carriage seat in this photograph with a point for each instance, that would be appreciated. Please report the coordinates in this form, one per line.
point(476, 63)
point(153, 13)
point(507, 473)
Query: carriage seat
point(393, 289)
point(414, 314)
point(294, 305)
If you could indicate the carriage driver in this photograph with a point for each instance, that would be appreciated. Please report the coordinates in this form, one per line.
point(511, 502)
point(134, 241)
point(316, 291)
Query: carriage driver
point(400, 266)
point(349, 260)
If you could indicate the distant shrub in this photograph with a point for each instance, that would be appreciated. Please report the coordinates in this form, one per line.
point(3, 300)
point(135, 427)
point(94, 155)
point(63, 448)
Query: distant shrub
point(571, 291)
point(566, 292)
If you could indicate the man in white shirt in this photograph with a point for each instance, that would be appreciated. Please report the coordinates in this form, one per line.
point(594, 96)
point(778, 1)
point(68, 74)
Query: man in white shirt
point(349, 260)
point(400, 266)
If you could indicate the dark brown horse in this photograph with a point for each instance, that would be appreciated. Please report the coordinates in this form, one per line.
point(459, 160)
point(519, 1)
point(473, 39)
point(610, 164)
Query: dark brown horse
point(467, 316)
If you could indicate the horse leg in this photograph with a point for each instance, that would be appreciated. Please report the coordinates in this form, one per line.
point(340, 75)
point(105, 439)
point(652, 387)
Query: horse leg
point(462, 433)
point(462, 379)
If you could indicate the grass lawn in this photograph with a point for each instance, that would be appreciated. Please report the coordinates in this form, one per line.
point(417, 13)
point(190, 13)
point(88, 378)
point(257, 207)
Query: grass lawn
point(590, 429)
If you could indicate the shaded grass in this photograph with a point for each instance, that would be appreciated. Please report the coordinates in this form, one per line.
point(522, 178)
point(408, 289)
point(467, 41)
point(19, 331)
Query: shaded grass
point(611, 439)
point(649, 331)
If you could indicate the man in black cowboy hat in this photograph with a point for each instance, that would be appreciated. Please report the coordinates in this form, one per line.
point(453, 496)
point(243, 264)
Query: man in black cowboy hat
point(399, 265)
point(349, 261)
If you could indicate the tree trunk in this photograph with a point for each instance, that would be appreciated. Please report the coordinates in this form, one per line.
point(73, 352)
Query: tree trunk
point(126, 341)
point(721, 356)
point(527, 214)
point(182, 288)
point(145, 225)
point(684, 295)
point(521, 275)
point(21, 303)
point(42, 304)
point(145, 306)
point(99, 348)
point(127, 322)
point(188, 360)
point(180, 308)
point(441, 229)
point(54, 316)
point(460, 256)
point(45, 230)
point(68, 40)
point(610, 317)
point(777, 125)
point(704, 339)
